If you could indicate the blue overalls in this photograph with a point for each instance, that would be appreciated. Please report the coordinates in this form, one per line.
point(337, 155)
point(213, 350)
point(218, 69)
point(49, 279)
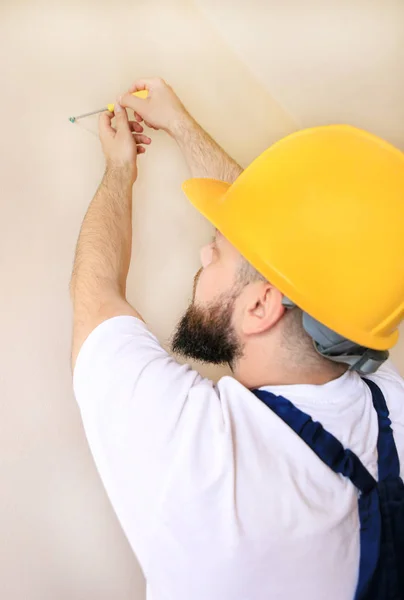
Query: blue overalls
point(380, 504)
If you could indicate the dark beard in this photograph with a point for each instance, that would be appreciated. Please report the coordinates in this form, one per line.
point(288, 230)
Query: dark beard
point(207, 334)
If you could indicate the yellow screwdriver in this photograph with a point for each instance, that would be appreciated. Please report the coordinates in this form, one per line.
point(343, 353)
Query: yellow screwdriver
point(140, 94)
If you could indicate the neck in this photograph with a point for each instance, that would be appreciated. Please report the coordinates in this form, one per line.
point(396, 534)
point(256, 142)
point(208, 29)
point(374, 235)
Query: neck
point(255, 374)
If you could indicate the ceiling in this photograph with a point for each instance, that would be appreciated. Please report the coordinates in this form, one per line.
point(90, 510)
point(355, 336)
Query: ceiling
point(324, 61)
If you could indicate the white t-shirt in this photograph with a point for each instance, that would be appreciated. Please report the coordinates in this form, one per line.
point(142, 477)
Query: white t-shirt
point(219, 499)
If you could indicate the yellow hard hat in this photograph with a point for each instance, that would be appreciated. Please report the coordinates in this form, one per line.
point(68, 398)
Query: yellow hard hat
point(321, 215)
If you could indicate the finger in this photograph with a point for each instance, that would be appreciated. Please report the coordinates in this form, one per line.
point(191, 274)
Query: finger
point(140, 149)
point(142, 84)
point(135, 126)
point(133, 102)
point(121, 118)
point(142, 139)
point(138, 117)
point(104, 124)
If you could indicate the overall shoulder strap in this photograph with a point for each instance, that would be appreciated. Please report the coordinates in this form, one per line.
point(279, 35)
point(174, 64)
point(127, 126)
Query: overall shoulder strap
point(323, 443)
point(381, 569)
point(343, 461)
point(388, 461)
point(381, 506)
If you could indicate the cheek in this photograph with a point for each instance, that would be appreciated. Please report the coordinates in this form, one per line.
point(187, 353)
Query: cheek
point(203, 286)
point(206, 256)
point(211, 283)
point(215, 278)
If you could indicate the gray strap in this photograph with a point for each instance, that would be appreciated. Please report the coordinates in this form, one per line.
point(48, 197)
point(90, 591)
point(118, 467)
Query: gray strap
point(335, 347)
point(364, 364)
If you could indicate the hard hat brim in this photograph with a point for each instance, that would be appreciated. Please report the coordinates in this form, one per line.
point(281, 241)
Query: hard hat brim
point(206, 194)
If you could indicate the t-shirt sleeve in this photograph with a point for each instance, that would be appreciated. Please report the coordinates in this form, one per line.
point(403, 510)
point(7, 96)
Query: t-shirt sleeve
point(147, 419)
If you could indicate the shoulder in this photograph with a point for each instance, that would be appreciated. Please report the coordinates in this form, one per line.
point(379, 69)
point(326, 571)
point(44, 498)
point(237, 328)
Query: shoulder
point(387, 377)
point(392, 385)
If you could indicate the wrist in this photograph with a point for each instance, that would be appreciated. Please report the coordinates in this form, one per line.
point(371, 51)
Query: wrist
point(122, 174)
point(181, 126)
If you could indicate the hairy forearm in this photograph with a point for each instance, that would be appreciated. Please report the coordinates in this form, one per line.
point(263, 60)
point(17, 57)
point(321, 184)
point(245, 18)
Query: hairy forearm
point(203, 155)
point(104, 246)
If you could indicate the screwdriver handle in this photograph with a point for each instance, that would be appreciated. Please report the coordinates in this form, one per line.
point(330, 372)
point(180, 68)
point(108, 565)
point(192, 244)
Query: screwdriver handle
point(140, 94)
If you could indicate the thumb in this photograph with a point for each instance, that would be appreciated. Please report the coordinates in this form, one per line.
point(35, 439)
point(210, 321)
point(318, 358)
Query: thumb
point(121, 118)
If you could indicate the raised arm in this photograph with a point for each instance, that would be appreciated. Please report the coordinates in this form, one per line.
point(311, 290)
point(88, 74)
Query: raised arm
point(103, 250)
point(163, 110)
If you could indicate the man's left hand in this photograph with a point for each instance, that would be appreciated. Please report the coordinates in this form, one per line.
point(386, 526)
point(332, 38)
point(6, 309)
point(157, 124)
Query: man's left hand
point(121, 144)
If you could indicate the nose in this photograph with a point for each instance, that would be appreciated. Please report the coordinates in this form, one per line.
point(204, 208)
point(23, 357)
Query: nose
point(206, 255)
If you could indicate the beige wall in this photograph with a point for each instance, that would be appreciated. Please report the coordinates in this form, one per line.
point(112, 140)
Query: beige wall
point(59, 537)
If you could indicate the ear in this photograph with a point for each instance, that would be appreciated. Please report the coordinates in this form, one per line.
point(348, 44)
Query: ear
point(263, 308)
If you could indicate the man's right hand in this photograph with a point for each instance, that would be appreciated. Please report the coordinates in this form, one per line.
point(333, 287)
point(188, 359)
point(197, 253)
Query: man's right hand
point(162, 109)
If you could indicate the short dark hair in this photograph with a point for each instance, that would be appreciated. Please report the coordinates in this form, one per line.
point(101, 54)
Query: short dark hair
point(247, 273)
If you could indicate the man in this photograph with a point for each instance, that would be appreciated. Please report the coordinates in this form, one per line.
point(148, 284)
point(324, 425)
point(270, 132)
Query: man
point(234, 491)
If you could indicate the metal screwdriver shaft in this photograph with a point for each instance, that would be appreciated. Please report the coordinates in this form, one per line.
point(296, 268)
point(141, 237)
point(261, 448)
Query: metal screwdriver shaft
point(140, 94)
point(94, 112)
